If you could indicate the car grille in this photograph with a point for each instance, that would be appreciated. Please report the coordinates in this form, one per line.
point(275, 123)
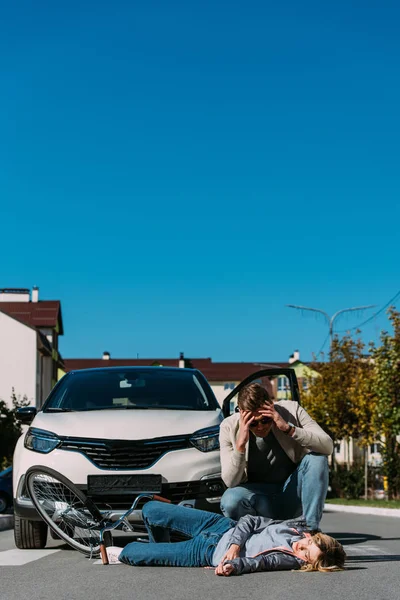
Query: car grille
point(124, 454)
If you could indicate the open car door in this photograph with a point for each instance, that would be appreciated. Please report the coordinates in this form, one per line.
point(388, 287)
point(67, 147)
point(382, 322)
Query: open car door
point(266, 377)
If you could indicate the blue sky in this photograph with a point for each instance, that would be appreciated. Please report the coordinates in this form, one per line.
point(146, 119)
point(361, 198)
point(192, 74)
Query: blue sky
point(176, 172)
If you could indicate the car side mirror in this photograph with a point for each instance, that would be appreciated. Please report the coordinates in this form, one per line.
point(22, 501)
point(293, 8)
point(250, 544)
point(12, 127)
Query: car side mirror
point(26, 414)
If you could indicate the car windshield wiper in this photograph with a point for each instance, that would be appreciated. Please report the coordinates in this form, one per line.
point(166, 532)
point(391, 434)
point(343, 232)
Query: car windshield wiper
point(130, 407)
point(112, 408)
point(58, 409)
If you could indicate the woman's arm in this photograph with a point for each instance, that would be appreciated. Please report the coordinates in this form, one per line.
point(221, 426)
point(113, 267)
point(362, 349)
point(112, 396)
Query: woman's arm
point(245, 528)
point(273, 561)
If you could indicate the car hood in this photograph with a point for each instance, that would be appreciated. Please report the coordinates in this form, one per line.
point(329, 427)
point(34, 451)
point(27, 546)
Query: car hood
point(126, 424)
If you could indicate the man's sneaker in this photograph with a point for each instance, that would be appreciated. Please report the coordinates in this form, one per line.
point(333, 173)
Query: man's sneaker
point(113, 553)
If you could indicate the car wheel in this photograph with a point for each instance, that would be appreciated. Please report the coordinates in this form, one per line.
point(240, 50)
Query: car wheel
point(29, 535)
point(63, 527)
point(4, 502)
point(54, 535)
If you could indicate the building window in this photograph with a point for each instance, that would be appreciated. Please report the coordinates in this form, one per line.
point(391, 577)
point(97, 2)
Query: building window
point(337, 448)
point(304, 384)
point(283, 383)
point(229, 386)
point(374, 448)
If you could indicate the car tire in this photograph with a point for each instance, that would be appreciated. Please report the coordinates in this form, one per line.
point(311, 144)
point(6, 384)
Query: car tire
point(29, 535)
point(54, 535)
point(5, 502)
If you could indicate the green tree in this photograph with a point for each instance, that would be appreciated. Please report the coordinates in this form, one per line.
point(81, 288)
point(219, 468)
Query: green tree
point(10, 428)
point(386, 388)
point(359, 396)
point(342, 400)
point(333, 398)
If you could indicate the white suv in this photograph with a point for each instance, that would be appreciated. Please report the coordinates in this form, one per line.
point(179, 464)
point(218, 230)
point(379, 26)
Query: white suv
point(116, 431)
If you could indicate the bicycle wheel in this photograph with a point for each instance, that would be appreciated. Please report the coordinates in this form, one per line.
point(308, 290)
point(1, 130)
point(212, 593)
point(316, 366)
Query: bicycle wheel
point(66, 509)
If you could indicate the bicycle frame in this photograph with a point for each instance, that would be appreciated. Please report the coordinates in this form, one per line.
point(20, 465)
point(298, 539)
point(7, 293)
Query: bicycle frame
point(110, 525)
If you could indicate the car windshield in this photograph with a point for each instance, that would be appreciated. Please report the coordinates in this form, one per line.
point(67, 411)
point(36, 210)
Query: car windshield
point(113, 389)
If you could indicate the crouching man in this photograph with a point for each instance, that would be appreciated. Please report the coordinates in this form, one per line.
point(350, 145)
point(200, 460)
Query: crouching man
point(273, 460)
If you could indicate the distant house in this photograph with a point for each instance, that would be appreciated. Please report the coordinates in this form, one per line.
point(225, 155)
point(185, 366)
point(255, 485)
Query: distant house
point(29, 357)
point(303, 373)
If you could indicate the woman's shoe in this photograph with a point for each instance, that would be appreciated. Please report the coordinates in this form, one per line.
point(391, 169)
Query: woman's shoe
point(113, 553)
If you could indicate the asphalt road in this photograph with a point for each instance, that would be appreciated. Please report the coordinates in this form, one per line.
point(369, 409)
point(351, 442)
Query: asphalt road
point(372, 545)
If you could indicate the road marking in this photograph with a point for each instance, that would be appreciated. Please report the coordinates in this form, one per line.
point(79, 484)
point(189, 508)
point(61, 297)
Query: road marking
point(15, 557)
point(365, 550)
point(346, 539)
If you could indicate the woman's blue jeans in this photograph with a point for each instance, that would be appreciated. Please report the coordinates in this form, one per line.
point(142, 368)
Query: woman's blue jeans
point(303, 493)
point(204, 528)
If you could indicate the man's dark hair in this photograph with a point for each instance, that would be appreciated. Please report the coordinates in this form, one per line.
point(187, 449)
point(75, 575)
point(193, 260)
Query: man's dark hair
point(252, 397)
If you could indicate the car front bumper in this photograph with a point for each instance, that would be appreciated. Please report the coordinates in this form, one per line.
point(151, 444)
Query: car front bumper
point(188, 477)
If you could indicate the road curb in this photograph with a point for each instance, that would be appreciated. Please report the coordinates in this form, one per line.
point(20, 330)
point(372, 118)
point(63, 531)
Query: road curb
point(6, 522)
point(363, 510)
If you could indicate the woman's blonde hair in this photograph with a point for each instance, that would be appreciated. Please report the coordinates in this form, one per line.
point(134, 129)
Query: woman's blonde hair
point(332, 555)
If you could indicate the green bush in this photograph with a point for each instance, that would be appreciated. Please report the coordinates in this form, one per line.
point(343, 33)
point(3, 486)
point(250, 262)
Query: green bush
point(10, 428)
point(347, 482)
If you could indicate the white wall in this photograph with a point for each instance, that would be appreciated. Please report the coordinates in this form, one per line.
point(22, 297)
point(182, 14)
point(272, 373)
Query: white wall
point(18, 345)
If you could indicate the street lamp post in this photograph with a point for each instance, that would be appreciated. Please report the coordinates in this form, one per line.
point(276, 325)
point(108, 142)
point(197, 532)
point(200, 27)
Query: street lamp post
point(330, 320)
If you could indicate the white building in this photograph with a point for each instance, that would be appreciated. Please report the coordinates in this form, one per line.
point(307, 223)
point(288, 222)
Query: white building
point(29, 356)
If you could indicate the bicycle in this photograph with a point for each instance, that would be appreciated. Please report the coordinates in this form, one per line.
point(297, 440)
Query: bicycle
point(73, 516)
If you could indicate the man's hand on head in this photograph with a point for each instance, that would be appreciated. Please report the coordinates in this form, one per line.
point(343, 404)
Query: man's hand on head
point(246, 418)
point(268, 410)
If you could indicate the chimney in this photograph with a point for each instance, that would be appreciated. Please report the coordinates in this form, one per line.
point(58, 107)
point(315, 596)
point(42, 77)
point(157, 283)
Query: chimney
point(294, 357)
point(181, 361)
point(35, 294)
point(106, 356)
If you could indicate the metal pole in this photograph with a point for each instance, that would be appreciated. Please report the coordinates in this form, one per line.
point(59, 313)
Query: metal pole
point(330, 320)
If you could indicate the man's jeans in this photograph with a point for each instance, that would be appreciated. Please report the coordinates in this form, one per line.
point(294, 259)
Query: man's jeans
point(303, 493)
point(205, 529)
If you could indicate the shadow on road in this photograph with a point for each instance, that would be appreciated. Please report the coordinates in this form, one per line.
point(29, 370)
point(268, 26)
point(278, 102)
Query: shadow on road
point(374, 558)
point(357, 538)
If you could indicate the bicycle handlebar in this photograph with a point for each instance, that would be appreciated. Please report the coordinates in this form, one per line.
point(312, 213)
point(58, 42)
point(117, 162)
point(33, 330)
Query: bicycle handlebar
point(161, 499)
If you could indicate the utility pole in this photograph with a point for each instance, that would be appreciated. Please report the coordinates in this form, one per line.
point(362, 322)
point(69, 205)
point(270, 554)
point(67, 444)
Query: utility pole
point(330, 320)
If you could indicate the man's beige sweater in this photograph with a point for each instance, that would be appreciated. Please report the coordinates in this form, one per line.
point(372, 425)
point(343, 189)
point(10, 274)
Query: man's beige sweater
point(308, 437)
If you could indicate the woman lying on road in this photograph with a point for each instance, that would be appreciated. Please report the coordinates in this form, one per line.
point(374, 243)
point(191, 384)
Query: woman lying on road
point(232, 547)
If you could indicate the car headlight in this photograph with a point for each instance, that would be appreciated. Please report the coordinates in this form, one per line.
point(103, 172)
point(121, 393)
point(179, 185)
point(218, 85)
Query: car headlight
point(207, 439)
point(40, 440)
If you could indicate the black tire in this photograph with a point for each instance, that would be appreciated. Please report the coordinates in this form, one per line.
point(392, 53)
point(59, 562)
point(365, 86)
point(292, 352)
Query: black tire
point(54, 535)
point(29, 535)
point(5, 502)
point(70, 514)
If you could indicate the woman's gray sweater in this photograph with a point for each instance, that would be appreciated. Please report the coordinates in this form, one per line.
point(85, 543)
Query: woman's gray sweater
point(265, 544)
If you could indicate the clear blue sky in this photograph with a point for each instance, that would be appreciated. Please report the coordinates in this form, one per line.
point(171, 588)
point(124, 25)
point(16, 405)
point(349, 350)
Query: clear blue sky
point(176, 172)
